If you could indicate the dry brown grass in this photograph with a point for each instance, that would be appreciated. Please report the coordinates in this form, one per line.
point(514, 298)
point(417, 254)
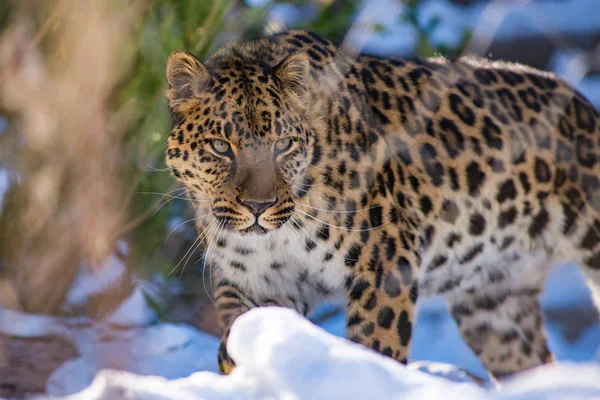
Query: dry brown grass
point(60, 62)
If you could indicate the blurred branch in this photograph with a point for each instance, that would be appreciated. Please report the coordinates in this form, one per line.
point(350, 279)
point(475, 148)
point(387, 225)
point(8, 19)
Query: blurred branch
point(48, 24)
point(63, 209)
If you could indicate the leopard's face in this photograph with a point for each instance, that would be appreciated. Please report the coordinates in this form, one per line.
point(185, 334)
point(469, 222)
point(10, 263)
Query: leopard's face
point(239, 143)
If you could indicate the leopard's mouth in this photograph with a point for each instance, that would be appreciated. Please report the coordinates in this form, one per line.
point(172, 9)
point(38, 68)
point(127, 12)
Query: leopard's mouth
point(255, 229)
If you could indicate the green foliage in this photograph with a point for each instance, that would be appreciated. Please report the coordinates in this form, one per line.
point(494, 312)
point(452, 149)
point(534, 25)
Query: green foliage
point(156, 306)
point(168, 25)
point(425, 46)
point(334, 20)
point(5, 8)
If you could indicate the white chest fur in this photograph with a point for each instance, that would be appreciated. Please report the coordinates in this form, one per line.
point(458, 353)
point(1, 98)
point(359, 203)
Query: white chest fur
point(281, 266)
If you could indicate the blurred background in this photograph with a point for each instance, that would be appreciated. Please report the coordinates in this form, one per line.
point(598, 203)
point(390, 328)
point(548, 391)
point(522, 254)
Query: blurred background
point(93, 229)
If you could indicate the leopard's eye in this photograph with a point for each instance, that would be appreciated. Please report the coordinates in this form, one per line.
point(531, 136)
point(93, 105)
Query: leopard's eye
point(220, 146)
point(283, 144)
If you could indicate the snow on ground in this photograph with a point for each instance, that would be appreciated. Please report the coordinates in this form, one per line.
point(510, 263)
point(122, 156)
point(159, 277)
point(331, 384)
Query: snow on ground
point(90, 281)
point(288, 353)
point(167, 350)
point(162, 349)
point(281, 355)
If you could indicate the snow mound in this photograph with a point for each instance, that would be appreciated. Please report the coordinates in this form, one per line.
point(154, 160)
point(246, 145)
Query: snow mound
point(281, 355)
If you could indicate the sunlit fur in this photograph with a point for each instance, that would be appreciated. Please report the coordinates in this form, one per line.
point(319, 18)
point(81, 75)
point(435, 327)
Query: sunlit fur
point(463, 178)
point(256, 106)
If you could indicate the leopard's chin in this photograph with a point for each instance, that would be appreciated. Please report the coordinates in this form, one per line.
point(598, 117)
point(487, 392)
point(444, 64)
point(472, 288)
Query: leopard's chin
point(255, 229)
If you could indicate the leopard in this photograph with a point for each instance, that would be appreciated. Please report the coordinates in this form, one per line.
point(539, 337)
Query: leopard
point(318, 173)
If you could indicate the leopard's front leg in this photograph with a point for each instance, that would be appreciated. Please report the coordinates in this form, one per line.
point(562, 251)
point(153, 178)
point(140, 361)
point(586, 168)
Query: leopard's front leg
point(231, 302)
point(381, 298)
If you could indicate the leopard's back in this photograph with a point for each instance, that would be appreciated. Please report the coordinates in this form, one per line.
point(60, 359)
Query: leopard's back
point(504, 162)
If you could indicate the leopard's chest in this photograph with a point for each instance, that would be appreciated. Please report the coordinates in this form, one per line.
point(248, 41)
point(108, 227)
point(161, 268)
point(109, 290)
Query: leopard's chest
point(284, 264)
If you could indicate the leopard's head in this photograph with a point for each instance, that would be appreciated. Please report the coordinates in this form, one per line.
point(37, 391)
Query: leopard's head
point(240, 140)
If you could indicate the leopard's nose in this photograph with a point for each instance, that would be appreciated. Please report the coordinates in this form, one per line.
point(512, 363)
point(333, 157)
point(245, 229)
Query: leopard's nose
point(257, 207)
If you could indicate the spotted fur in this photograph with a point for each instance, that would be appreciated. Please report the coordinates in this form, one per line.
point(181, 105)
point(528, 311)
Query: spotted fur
point(315, 175)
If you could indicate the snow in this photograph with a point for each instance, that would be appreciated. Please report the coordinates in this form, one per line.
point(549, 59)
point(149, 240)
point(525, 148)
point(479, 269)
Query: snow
point(168, 350)
point(566, 290)
point(566, 381)
point(134, 311)
point(164, 349)
point(281, 355)
point(90, 281)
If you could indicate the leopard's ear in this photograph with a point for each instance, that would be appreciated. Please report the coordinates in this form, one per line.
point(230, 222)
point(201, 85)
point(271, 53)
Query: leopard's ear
point(293, 71)
point(186, 75)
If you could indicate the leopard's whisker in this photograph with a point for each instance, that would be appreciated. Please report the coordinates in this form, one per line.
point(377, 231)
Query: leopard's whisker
point(165, 203)
point(319, 168)
point(323, 189)
point(212, 229)
point(206, 255)
point(196, 219)
point(320, 183)
point(323, 182)
point(160, 207)
point(315, 199)
point(167, 194)
point(336, 211)
point(172, 195)
point(199, 238)
point(163, 195)
point(342, 227)
point(210, 267)
point(150, 168)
